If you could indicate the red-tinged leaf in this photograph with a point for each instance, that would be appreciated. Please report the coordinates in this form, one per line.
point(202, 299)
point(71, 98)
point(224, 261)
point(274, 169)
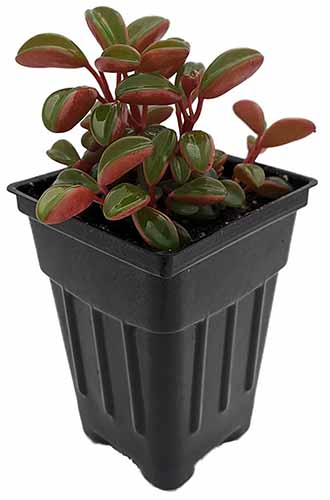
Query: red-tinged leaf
point(200, 191)
point(158, 114)
point(63, 152)
point(145, 88)
point(251, 142)
point(184, 236)
point(235, 197)
point(287, 130)
point(121, 156)
point(88, 160)
point(153, 130)
point(108, 122)
point(155, 165)
point(124, 200)
point(180, 170)
point(89, 143)
point(75, 177)
point(197, 148)
point(65, 108)
point(273, 188)
point(157, 230)
point(146, 30)
point(118, 58)
point(220, 159)
point(228, 70)
point(107, 26)
point(251, 113)
point(249, 174)
point(165, 53)
point(182, 208)
point(189, 78)
point(62, 202)
point(49, 50)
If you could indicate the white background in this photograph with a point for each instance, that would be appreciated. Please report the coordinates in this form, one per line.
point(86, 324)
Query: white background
point(285, 454)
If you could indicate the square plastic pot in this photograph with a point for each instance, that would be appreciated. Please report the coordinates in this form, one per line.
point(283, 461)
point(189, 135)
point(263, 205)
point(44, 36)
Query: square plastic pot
point(165, 349)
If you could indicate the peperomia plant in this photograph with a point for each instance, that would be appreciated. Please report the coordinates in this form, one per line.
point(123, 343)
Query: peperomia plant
point(133, 166)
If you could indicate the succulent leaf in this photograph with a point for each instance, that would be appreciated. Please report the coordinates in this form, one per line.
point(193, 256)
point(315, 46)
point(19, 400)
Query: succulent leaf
point(124, 200)
point(107, 122)
point(107, 26)
point(182, 208)
point(118, 58)
point(287, 130)
point(184, 236)
point(197, 148)
point(158, 114)
point(166, 54)
point(200, 191)
point(273, 188)
point(157, 230)
point(89, 143)
point(63, 152)
point(249, 174)
point(180, 169)
point(251, 113)
point(220, 159)
point(146, 30)
point(74, 176)
point(235, 197)
point(144, 88)
point(189, 77)
point(155, 165)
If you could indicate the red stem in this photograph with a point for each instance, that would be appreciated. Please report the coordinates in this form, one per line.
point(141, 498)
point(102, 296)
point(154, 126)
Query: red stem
point(118, 80)
point(255, 151)
point(179, 117)
point(144, 116)
point(152, 194)
point(101, 80)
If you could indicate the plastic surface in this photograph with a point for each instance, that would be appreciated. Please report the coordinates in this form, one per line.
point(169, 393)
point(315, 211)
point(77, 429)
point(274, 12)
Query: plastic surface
point(165, 349)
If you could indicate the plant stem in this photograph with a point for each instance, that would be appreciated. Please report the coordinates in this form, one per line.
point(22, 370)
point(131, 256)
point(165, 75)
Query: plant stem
point(198, 110)
point(101, 80)
point(98, 200)
point(152, 194)
point(255, 151)
point(118, 80)
point(144, 116)
point(179, 117)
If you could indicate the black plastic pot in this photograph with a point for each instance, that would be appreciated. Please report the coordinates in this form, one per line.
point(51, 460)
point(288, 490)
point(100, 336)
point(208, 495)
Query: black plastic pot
point(165, 349)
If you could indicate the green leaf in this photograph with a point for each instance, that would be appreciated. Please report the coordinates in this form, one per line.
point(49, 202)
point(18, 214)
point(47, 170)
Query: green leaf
point(65, 108)
point(228, 70)
point(107, 26)
point(74, 176)
point(200, 191)
point(157, 230)
point(287, 130)
point(206, 213)
point(153, 130)
point(235, 197)
point(108, 122)
point(273, 188)
point(180, 170)
point(89, 143)
point(158, 114)
point(182, 208)
point(163, 54)
point(49, 50)
point(220, 159)
point(155, 165)
point(146, 30)
point(197, 148)
point(251, 113)
point(249, 174)
point(124, 200)
point(63, 152)
point(184, 236)
point(121, 156)
point(189, 77)
point(118, 58)
point(145, 88)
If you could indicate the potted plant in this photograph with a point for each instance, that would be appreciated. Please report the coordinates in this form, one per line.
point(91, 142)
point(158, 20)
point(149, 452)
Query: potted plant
point(162, 250)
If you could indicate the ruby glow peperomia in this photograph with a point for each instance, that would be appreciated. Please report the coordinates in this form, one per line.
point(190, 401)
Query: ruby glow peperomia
point(133, 166)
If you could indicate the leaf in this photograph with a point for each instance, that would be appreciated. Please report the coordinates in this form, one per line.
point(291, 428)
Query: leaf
point(251, 142)
point(197, 148)
point(228, 70)
point(89, 143)
point(158, 114)
point(118, 58)
point(146, 30)
point(121, 156)
point(62, 202)
point(107, 26)
point(200, 191)
point(164, 54)
point(189, 77)
point(124, 200)
point(251, 113)
point(184, 236)
point(157, 230)
point(235, 197)
point(287, 130)
point(155, 166)
point(65, 108)
point(206, 213)
point(153, 130)
point(63, 152)
point(180, 170)
point(88, 160)
point(107, 122)
point(145, 88)
point(220, 159)
point(273, 188)
point(49, 50)
point(77, 177)
point(182, 208)
point(249, 174)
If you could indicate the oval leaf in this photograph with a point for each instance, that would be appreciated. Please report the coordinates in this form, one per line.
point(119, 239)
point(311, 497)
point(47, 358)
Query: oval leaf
point(63, 152)
point(273, 188)
point(121, 156)
point(157, 230)
point(107, 122)
point(89, 143)
point(249, 174)
point(197, 148)
point(107, 26)
point(235, 197)
point(158, 114)
point(77, 177)
point(180, 170)
point(146, 30)
point(189, 77)
point(228, 70)
point(169, 53)
point(182, 208)
point(184, 236)
point(251, 113)
point(65, 108)
point(220, 159)
point(118, 58)
point(62, 202)
point(200, 191)
point(287, 130)
point(49, 50)
point(147, 89)
point(155, 166)
point(124, 200)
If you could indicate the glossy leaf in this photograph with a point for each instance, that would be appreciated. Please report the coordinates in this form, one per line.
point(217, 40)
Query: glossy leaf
point(287, 130)
point(145, 88)
point(189, 77)
point(63, 152)
point(228, 70)
point(220, 159)
point(182, 208)
point(121, 156)
point(124, 200)
point(62, 202)
point(155, 166)
point(251, 113)
point(88, 159)
point(206, 213)
point(169, 53)
point(153, 130)
point(158, 114)
point(75, 176)
point(146, 30)
point(49, 50)
point(273, 188)
point(249, 174)
point(157, 230)
point(89, 143)
point(180, 170)
point(107, 122)
point(197, 148)
point(235, 197)
point(184, 236)
point(65, 108)
point(200, 191)
point(107, 26)
point(118, 58)
point(251, 142)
